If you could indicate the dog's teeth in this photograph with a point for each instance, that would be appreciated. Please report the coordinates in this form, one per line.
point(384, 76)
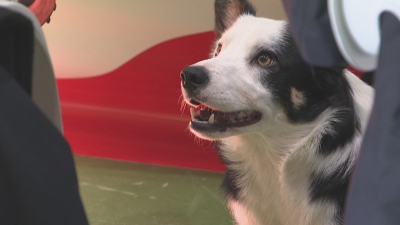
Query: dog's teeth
point(211, 119)
point(193, 112)
point(241, 115)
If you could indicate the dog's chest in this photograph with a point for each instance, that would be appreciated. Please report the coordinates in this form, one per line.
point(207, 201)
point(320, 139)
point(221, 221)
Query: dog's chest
point(266, 193)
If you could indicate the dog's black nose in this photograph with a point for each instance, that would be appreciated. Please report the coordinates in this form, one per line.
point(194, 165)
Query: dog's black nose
point(194, 77)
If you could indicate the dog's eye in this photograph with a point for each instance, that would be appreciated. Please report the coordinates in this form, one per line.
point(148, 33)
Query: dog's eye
point(264, 60)
point(218, 50)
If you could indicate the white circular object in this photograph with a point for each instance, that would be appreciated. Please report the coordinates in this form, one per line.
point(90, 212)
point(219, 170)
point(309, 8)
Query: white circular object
point(355, 25)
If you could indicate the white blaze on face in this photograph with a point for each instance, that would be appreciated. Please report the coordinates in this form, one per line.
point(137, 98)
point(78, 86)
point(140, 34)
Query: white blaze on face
point(235, 78)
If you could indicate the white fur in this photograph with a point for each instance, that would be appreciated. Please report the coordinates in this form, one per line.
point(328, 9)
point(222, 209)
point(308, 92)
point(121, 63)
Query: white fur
point(274, 157)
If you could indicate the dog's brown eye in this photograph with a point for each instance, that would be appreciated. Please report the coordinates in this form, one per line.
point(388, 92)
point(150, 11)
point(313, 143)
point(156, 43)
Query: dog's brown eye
point(218, 50)
point(264, 60)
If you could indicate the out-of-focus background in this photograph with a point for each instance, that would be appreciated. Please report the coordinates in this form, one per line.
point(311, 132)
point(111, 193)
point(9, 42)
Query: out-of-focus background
point(117, 65)
point(94, 37)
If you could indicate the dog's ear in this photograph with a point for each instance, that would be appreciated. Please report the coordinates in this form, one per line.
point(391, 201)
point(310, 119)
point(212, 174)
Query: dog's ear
point(227, 11)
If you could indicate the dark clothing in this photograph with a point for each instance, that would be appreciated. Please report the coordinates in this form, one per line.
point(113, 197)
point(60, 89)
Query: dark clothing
point(375, 193)
point(38, 183)
point(311, 30)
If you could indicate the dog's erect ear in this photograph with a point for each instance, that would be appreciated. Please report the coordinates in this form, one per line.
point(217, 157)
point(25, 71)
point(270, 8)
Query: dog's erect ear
point(227, 11)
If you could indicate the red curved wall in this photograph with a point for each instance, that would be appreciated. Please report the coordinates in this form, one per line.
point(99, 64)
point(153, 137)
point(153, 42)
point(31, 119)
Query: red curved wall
point(133, 113)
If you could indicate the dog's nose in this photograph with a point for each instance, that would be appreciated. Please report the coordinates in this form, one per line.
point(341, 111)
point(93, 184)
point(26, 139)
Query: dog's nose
point(194, 77)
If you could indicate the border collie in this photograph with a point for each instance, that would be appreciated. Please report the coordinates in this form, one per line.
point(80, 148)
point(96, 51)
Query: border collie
point(289, 133)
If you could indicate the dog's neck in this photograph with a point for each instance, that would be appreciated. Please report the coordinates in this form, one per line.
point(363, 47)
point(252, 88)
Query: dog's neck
point(265, 161)
point(275, 143)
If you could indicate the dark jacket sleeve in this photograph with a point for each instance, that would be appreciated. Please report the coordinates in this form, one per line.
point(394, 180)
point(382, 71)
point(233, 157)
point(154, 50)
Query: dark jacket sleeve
point(38, 183)
point(374, 196)
point(311, 30)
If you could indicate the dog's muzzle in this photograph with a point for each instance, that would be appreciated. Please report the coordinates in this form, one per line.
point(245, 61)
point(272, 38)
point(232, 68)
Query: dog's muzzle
point(194, 78)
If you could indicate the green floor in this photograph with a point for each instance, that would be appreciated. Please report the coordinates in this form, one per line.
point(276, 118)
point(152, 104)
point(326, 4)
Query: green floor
point(122, 193)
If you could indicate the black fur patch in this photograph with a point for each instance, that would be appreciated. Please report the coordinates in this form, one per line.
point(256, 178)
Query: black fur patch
point(228, 186)
point(322, 89)
point(331, 188)
point(346, 124)
point(227, 11)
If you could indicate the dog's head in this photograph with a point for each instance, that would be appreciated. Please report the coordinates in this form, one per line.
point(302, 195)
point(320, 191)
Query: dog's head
point(255, 79)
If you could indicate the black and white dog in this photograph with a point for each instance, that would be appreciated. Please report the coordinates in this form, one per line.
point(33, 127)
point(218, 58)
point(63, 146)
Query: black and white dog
point(288, 132)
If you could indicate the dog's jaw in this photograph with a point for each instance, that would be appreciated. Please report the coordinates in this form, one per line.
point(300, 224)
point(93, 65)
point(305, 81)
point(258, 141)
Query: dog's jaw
point(207, 120)
point(211, 123)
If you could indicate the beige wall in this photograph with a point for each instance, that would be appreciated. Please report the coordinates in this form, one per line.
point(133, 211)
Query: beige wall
point(93, 37)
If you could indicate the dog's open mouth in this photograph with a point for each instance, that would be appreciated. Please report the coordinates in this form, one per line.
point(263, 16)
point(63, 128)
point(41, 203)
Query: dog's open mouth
point(207, 119)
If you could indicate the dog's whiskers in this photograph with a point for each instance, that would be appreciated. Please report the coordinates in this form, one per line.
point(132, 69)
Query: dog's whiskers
point(183, 104)
point(204, 144)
